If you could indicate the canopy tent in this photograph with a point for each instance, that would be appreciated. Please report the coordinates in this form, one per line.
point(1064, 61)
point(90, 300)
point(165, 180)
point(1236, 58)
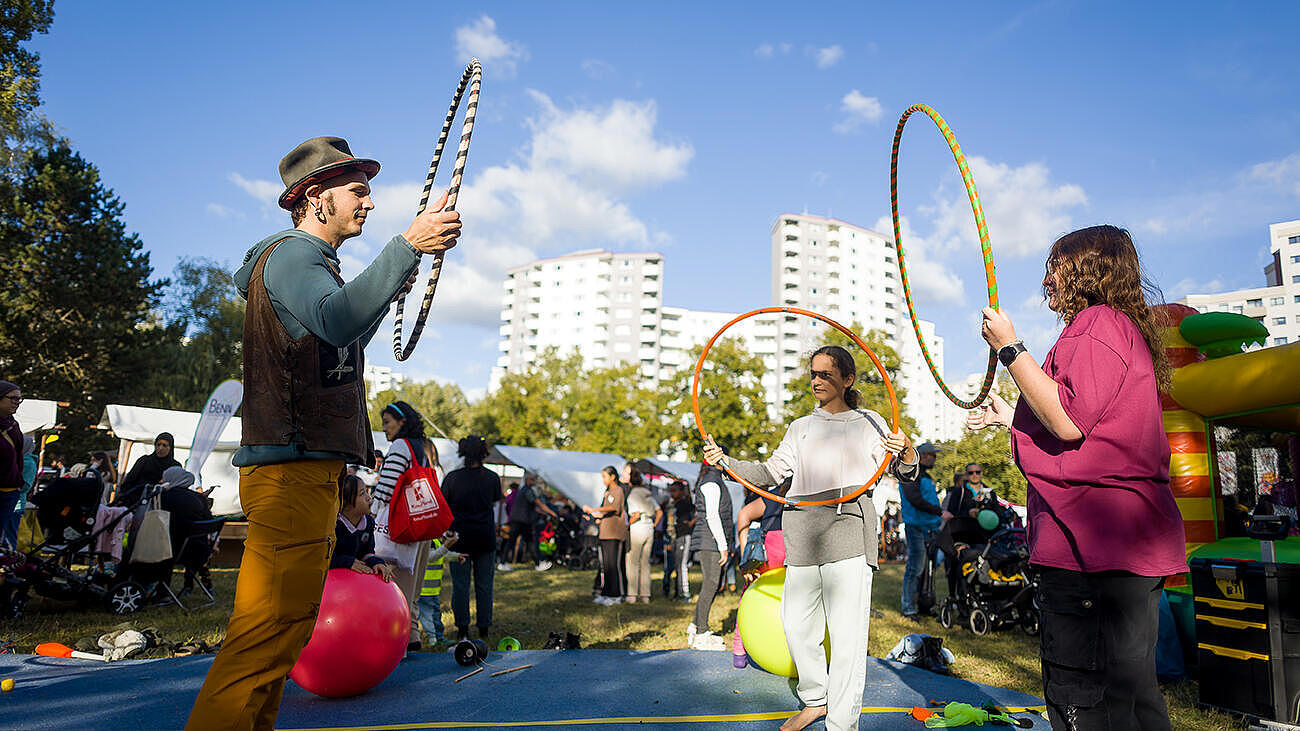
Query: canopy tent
point(576, 475)
point(35, 415)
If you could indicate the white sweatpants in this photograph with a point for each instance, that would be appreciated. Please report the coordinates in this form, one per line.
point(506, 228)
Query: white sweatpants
point(834, 596)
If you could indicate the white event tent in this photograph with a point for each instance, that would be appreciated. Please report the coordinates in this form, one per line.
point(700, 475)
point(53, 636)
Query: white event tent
point(36, 415)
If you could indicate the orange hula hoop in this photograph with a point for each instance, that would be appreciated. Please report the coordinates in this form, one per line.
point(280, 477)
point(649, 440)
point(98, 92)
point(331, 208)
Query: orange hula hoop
point(880, 367)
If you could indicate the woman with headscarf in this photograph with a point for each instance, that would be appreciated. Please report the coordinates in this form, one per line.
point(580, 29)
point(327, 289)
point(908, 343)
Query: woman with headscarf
point(11, 457)
point(148, 470)
point(471, 493)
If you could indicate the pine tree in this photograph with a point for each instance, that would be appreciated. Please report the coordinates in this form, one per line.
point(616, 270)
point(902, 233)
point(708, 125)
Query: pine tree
point(77, 323)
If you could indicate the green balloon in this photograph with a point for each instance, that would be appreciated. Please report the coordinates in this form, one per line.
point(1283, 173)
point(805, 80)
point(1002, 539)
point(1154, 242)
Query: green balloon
point(988, 520)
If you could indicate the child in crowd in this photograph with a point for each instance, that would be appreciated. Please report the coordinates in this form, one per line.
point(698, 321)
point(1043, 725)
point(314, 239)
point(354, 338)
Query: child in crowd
point(430, 603)
point(354, 532)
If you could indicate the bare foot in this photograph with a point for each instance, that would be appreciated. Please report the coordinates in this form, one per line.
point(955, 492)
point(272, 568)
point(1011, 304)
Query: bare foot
point(803, 718)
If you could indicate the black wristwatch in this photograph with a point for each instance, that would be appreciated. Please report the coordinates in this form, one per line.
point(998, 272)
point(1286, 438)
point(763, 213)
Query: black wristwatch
point(1008, 353)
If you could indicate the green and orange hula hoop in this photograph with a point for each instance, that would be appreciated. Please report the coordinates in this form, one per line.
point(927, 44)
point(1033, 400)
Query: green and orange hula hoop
point(990, 273)
point(889, 388)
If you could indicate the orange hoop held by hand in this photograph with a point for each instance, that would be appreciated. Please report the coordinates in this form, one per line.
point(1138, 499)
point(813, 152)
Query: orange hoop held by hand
point(880, 368)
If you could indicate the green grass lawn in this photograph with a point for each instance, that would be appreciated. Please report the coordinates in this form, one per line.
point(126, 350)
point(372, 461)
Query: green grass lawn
point(530, 604)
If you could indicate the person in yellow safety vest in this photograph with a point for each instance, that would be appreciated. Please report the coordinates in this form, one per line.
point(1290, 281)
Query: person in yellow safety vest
point(430, 603)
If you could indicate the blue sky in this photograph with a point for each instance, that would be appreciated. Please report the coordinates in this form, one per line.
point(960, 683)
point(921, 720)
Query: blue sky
point(688, 128)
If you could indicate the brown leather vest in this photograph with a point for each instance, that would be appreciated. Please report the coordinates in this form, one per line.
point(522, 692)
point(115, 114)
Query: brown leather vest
point(300, 390)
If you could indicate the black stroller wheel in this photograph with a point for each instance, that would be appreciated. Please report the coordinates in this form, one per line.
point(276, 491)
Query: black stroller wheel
point(979, 622)
point(14, 603)
point(125, 598)
point(1029, 622)
point(946, 612)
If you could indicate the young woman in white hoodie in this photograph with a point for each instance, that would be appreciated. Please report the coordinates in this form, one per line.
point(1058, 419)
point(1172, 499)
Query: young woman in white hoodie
point(830, 549)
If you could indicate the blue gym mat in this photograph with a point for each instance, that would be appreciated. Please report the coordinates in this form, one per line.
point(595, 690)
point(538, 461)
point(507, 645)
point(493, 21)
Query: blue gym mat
point(590, 689)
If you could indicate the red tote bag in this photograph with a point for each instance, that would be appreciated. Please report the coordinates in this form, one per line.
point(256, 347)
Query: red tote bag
point(418, 511)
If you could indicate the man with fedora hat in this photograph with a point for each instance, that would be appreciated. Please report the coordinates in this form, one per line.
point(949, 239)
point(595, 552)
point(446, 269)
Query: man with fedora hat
point(921, 522)
point(304, 414)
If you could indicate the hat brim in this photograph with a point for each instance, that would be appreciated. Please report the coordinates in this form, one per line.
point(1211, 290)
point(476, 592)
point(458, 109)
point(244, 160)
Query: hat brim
point(334, 169)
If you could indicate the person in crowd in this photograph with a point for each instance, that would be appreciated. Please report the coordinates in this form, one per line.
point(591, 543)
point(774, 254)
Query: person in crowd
point(643, 513)
point(186, 507)
point(830, 549)
point(11, 457)
point(1104, 529)
point(430, 604)
point(766, 514)
point(304, 413)
point(713, 539)
point(146, 471)
point(506, 548)
point(354, 532)
point(377, 460)
point(10, 529)
point(404, 428)
point(679, 523)
point(101, 467)
point(922, 518)
point(960, 521)
point(611, 517)
point(527, 516)
point(471, 492)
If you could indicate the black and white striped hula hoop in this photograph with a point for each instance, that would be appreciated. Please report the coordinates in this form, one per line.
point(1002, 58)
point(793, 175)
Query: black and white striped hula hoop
point(472, 77)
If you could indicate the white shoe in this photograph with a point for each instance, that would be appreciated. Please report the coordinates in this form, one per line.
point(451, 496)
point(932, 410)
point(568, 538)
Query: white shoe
point(505, 567)
point(708, 641)
point(598, 600)
point(544, 565)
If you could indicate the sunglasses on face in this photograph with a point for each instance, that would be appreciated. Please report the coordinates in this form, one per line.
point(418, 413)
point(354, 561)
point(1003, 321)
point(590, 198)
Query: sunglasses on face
point(973, 472)
point(823, 375)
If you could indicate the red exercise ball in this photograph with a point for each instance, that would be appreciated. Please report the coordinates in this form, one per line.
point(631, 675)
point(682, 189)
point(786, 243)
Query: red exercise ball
point(360, 635)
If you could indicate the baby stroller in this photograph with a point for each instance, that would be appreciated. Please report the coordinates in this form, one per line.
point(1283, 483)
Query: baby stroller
point(994, 588)
point(66, 511)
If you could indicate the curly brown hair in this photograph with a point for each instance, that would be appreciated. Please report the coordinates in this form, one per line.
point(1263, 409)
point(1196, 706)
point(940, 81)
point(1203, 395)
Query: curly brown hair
point(1099, 265)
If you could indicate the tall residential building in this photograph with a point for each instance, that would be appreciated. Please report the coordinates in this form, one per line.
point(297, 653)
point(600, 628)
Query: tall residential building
point(606, 306)
point(1277, 304)
point(850, 274)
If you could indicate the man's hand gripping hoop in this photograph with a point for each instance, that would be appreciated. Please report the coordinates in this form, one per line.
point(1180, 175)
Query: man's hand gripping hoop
point(880, 368)
point(472, 78)
point(990, 273)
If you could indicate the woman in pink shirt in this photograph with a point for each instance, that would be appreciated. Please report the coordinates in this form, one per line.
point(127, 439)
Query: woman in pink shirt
point(1104, 529)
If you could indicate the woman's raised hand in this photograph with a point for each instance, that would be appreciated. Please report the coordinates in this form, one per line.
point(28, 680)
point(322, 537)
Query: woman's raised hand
point(993, 412)
point(712, 452)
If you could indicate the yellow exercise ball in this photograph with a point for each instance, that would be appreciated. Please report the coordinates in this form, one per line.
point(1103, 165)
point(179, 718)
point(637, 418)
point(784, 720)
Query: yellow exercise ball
point(759, 619)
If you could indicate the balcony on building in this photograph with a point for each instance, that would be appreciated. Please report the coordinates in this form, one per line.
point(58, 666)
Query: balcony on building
point(791, 246)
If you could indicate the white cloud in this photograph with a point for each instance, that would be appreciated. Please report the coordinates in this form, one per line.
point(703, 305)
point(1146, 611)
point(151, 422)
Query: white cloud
point(858, 109)
point(1190, 285)
point(480, 40)
point(1024, 209)
point(819, 178)
point(614, 145)
point(768, 50)
point(221, 211)
point(597, 69)
point(828, 57)
point(266, 191)
point(1155, 226)
point(1284, 172)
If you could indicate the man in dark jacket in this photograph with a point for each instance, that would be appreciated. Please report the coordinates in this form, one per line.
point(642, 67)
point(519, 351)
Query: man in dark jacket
point(304, 418)
point(921, 521)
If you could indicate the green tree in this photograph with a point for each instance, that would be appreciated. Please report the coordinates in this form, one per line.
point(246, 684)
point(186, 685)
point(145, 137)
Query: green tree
point(611, 411)
point(21, 127)
point(78, 323)
point(443, 406)
point(732, 403)
point(528, 407)
point(991, 447)
point(875, 396)
point(556, 404)
point(206, 324)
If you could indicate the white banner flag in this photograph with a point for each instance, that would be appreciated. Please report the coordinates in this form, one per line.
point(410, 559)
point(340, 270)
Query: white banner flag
point(221, 407)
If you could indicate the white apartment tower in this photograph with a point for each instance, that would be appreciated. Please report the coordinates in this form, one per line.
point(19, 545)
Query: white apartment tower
point(1277, 304)
point(606, 306)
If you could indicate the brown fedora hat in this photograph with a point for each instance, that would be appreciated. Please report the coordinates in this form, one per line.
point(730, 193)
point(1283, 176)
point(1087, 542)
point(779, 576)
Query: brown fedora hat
point(317, 159)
